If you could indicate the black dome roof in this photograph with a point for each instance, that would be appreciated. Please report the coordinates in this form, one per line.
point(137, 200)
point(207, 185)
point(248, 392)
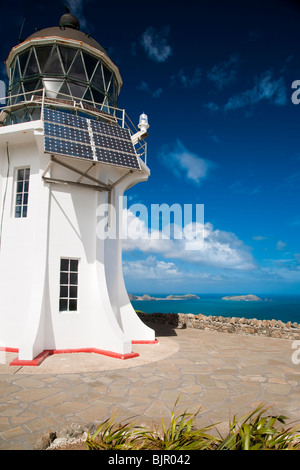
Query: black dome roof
point(68, 29)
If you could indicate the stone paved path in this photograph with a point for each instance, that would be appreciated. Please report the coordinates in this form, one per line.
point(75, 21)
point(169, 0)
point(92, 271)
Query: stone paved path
point(222, 373)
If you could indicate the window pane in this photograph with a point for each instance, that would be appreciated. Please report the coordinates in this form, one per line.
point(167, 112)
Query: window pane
point(73, 292)
point(64, 278)
point(42, 55)
point(63, 305)
point(15, 72)
point(64, 90)
point(72, 305)
point(98, 78)
point(23, 59)
point(67, 55)
point(30, 86)
point(24, 211)
point(18, 211)
point(88, 96)
point(53, 65)
point(73, 278)
point(19, 199)
point(107, 76)
point(64, 264)
point(63, 291)
point(98, 97)
point(25, 199)
point(90, 64)
point(74, 265)
point(77, 69)
point(32, 67)
point(77, 90)
point(20, 175)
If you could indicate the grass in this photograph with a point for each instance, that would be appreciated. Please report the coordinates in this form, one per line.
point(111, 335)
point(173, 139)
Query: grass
point(257, 430)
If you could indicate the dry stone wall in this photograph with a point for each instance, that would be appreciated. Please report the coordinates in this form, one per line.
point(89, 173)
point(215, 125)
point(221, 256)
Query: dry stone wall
point(244, 326)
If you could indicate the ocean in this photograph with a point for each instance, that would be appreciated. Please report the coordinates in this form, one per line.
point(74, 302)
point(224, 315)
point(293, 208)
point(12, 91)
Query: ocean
point(276, 307)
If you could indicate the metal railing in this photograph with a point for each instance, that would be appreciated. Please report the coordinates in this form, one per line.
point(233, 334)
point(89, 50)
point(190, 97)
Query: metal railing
point(40, 99)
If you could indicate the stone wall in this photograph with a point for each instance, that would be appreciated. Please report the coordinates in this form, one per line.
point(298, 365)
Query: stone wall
point(244, 326)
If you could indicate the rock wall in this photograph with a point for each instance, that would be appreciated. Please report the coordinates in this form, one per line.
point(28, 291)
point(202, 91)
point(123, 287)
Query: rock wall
point(244, 326)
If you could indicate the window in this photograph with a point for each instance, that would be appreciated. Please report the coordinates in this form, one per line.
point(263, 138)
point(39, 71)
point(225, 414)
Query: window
point(68, 289)
point(22, 189)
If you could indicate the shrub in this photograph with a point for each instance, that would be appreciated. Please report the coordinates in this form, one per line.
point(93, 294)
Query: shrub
point(254, 431)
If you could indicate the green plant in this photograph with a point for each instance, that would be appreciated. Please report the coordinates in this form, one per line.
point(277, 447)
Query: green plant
point(115, 436)
point(255, 431)
point(180, 435)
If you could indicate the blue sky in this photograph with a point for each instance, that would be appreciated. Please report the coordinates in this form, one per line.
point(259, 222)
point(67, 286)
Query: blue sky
point(215, 79)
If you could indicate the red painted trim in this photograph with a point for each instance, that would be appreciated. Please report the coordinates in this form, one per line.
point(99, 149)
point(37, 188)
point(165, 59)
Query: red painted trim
point(48, 352)
point(9, 349)
point(35, 362)
point(144, 341)
point(96, 351)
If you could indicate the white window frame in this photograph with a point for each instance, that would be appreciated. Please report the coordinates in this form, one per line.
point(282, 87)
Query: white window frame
point(23, 195)
point(68, 284)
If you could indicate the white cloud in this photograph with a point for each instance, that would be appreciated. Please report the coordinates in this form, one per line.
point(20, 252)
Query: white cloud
point(151, 268)
point(259, 237)
point(220, 249)
point(188, 81)
point(224, 73)
point(76, 8)
point(280, 245)
point(212, 107)
point(155, 43)
point(183, 162)
point(266, 88)
point(144, 86)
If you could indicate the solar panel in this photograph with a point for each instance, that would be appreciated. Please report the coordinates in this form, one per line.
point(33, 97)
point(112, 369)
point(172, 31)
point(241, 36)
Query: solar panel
point(69, 135)
point(67, 148)
point(108, 129)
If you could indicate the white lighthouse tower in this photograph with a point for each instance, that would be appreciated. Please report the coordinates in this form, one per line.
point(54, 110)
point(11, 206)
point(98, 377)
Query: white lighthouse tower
point(66, 158)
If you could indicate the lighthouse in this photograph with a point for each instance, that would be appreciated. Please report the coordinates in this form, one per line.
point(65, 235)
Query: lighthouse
point(67, 155)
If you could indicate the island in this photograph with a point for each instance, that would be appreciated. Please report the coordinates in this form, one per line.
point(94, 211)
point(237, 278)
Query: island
point(169, 297)
point(182, 297)
point(141, 297)
point(247, 298)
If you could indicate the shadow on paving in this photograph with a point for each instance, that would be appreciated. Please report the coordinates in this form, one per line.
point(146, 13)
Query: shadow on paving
point(163, 329)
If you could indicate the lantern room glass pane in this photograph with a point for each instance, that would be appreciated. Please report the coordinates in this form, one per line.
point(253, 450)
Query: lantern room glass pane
point(77, 69)
point(53, 65)
point(30, 85)
point(32, 66)
point(67, 55)
point(77, 90)
point(97, 80)
point(98, 97)
point(23, 60)
point(42, 54)
point(107, 77)
point(90, 64)
point(64, 90)
point(15, 73)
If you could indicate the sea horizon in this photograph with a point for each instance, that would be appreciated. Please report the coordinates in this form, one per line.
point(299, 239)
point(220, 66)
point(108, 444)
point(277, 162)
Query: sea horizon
point(284, 307)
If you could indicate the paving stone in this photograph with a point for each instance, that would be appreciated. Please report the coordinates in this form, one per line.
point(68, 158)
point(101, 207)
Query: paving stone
point(230, 374)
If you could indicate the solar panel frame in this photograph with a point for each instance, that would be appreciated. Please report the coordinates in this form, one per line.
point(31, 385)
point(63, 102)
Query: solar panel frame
point(69, 135)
